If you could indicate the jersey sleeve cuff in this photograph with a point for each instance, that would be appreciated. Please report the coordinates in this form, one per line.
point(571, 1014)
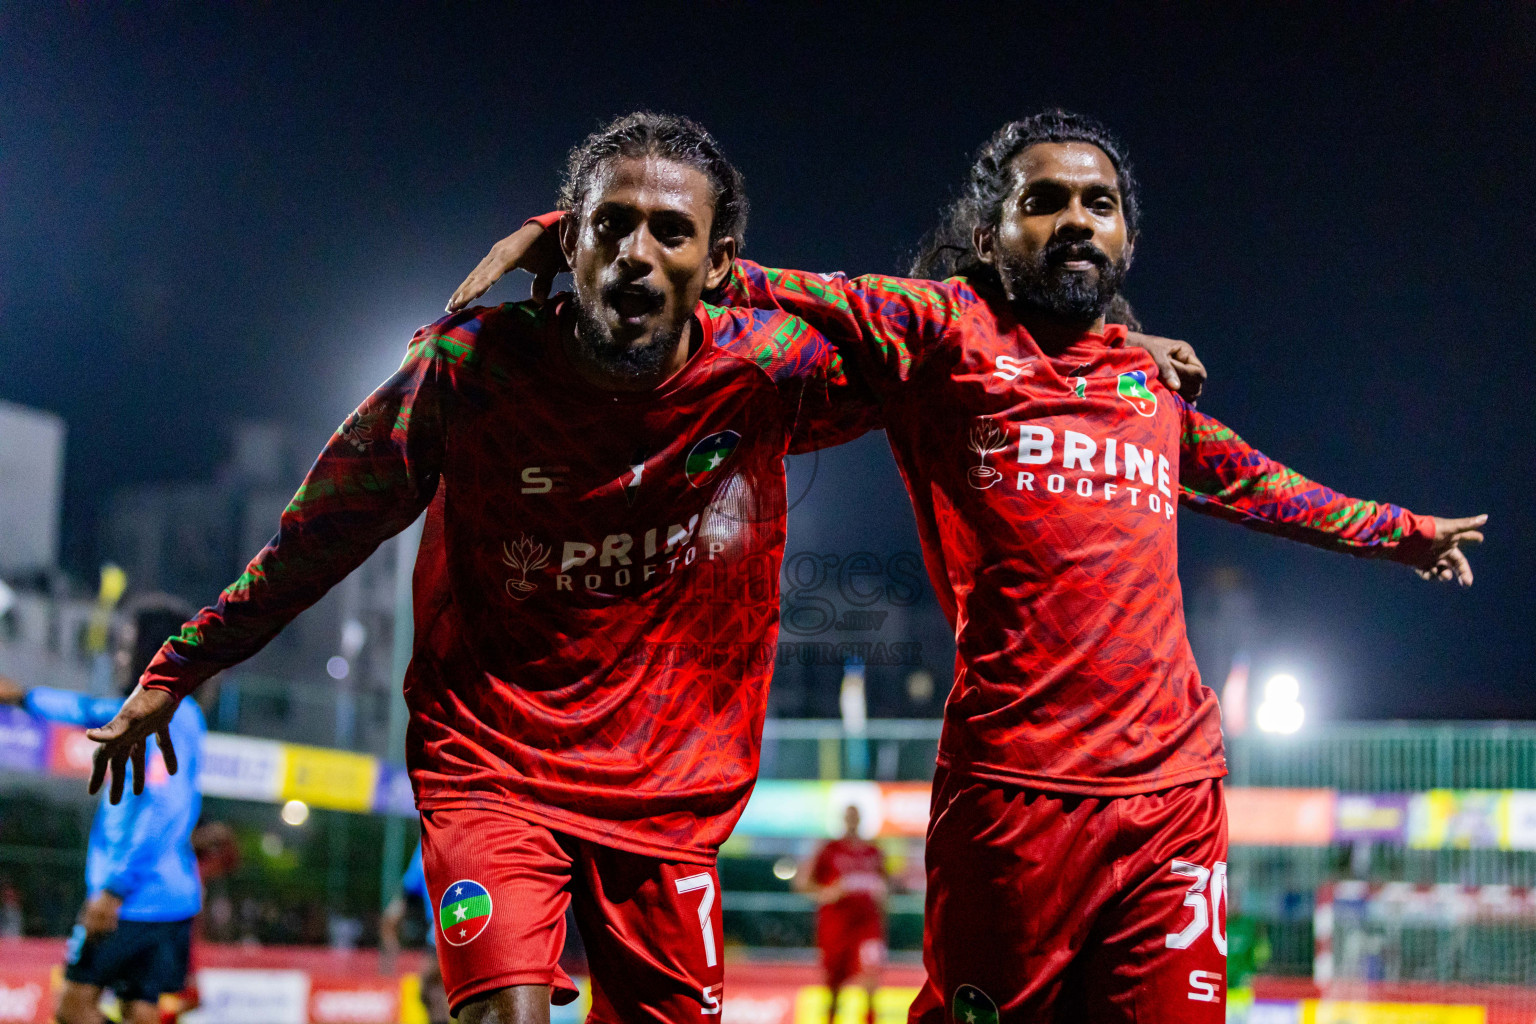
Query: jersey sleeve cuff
point(171, 673)
point(1418, 538)
point(547, 221)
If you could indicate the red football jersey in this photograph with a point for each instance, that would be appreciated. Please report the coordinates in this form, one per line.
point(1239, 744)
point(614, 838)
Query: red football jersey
point(1045, 489)
point(859, 868)
point(596, 596)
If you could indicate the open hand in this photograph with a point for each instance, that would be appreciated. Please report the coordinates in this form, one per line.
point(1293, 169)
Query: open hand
point(1446, 560)
point(1178, 366)
point(123, 739)
point(529, 248)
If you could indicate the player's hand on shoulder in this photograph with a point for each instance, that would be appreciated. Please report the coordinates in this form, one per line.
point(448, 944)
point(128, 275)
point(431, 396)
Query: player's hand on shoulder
point(124, 740)
point(1178, 366)
point(1445, 559)
point(529, 248)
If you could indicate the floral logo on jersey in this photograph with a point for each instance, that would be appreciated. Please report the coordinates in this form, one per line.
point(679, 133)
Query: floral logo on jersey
point(705, 458)
point(358, 430)
point(1080, 387)
point(986, 437)
point(1133, 388)
point(525, 556)
point(463, 912)
point(973, 1006)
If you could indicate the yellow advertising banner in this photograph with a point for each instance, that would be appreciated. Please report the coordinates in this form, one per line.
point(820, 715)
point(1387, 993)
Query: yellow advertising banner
point(1330, 1011)
point(336, 779)
point(1459, 819)
point(813, 1001)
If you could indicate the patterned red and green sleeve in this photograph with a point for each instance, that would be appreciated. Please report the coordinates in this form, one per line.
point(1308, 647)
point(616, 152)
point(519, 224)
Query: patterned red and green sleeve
point(822, 405)
point(884, 327)
point(376, 475)
point(1221, 475)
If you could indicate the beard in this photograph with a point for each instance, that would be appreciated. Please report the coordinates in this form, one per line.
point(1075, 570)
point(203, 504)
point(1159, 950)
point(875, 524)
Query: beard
point(595, 342)
point(1038, 281)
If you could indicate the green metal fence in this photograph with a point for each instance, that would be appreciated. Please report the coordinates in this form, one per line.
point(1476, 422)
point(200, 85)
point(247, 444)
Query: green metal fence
point(1389, 757)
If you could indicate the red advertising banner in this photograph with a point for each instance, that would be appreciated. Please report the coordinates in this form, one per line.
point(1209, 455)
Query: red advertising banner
point(337, 999)
point(1280, 817)
point(26, 996)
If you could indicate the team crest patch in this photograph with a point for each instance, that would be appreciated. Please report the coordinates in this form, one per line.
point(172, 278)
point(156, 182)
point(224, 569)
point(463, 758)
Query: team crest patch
point(463, 912)
point(973, 1006)
point(1133, 388)
point(705, 458)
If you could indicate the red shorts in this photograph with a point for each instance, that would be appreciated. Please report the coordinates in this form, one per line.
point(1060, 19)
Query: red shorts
point(1052, 907)
point(852, 941)
point(500, 886)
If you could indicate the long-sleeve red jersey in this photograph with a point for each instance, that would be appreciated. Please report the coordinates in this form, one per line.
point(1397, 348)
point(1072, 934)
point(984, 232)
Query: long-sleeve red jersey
point(596, 594)
point(1045, 489)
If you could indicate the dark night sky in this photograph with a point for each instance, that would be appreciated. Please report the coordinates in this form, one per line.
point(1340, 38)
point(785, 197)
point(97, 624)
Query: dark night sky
point(212, 213)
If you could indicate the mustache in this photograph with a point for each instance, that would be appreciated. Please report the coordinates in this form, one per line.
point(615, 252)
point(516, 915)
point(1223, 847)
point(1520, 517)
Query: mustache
point(617, 290)
point(1057, 253)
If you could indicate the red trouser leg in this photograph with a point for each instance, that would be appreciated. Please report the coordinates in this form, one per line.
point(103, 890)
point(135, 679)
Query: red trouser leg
point(654, 937)
point(1052, 907)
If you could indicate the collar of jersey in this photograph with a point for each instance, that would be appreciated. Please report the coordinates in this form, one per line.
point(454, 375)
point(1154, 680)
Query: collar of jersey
point(1085, 349)
point(564, 306)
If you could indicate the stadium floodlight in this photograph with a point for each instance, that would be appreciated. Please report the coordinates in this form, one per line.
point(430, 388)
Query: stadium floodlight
point(785, 869)
point(1282, 689)
point(1281, 711)
point(337, 667)
point(295, 812)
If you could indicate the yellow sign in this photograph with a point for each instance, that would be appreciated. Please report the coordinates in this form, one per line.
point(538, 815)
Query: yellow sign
point(1330, 1011)
point(336, 779)
point(813, 1001)
point(1458, 819)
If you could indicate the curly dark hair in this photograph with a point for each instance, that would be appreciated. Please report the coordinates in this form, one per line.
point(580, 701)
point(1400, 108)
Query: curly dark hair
point(947, 251)
point(666, 135)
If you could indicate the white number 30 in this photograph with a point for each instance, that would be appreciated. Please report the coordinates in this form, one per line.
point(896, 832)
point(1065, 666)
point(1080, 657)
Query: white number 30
point(1195, 898)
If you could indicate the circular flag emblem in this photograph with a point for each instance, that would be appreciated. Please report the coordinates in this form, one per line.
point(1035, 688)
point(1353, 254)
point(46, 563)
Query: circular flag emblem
point(706, 457)
point(973, 1006)
point(463, 912)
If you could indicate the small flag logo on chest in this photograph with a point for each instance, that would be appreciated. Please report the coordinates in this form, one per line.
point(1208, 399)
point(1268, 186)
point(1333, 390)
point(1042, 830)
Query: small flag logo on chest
point(463, 912)
point(706, 457)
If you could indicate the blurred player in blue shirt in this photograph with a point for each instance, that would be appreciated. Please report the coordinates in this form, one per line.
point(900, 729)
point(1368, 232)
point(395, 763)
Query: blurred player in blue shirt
point(141, 874)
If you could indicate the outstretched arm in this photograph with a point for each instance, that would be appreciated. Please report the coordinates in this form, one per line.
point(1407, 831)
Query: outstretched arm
point(69, 707)
point(373, 479)
point(64, 706)
point(891, 319)
point(1221, 475)
point(881, 326)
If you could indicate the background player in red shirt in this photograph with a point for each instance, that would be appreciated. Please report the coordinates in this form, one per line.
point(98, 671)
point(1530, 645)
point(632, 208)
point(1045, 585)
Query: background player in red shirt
point(596, 595)
point(848, 881)
point(1076, 852)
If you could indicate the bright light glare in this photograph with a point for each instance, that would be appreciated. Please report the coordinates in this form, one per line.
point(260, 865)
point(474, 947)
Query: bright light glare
point(1281, 712)
point(337, 667)
point(1282, 689)
point(1283, 718)
point(785, 868)
point(295, 812)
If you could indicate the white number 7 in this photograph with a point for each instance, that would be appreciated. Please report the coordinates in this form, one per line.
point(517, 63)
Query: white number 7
point(1194, 898)
point(691, 883)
